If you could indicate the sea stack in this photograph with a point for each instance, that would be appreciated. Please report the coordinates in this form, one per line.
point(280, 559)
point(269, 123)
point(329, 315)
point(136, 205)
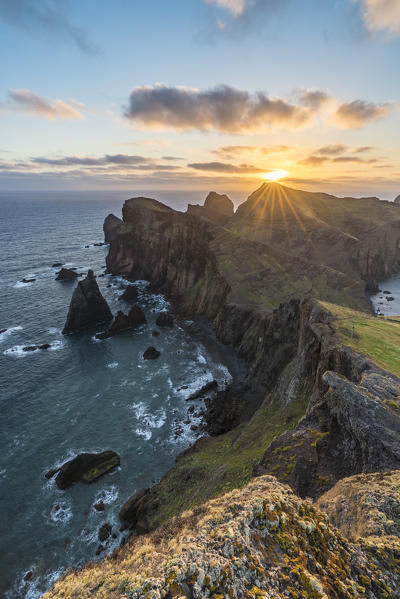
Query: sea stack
point(88, 307)
point(111, 227)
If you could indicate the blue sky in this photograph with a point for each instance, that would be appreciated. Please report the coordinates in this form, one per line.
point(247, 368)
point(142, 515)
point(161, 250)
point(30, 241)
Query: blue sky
point(199, 94)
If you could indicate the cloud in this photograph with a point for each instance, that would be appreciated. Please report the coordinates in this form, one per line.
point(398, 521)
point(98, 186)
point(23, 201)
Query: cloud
point(235, 7)
point(223, 167)
point(314, 98)
point(46, 16)
point(313, 160)
point(24, 100)
point(357, 114)
point(355, 159)
point(223, 108)
point(381, 15)
point(363, 149)
point(234, 150)
point(332, 150)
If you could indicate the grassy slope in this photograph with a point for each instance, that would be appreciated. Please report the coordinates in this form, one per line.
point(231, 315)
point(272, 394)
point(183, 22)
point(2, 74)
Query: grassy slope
point(376, 337)
point(218, 464)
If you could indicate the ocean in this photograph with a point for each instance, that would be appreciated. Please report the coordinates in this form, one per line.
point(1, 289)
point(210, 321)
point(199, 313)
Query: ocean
point(81, 394)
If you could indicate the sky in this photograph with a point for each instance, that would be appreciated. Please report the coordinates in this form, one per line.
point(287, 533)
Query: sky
point(200, 94)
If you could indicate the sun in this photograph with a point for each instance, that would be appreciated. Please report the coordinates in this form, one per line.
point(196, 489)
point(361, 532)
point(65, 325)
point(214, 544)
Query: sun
point(275, 175)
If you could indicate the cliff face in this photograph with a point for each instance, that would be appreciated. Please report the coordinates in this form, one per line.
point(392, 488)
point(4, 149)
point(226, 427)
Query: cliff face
point(261, 541)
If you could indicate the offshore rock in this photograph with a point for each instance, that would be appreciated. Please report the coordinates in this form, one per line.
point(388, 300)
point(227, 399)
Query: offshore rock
point(86, 468)
point(260, 541)
point(130, 294)
point(111, 227)
point(124, 322)
point(151, 353)
point(66, 274)
point(88, 307)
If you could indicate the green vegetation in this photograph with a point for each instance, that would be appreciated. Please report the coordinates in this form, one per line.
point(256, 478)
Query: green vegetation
point(216, 465)
point(378, 338)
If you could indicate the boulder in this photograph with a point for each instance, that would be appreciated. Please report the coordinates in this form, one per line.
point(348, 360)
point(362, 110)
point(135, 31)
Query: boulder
point(56, 264)
point(88, 307)
point(165, 320)
point(104, 532)
point(86, 468)
point(130, 294)
point(151, 353)
point(124, 322)
point(111, 227)
point(99, 506)
point(66, 274)
point(2, 331)
point(28, 280)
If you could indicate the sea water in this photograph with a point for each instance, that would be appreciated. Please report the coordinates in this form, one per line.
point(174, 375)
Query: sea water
point(80, 395)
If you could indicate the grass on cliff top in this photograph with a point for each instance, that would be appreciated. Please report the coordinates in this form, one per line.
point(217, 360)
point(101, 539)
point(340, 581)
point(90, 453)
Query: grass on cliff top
point(216, 465)
point(376, 337)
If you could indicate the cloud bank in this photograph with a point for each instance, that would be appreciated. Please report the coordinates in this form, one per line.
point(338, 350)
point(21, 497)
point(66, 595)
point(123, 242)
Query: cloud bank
point(231, 110)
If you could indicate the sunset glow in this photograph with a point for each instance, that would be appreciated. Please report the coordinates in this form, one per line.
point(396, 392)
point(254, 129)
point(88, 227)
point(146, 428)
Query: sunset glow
point(275, 175)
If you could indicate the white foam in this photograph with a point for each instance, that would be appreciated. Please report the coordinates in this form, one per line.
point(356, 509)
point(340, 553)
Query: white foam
point(145, 434)
point(20, 284)
point(60, 513)
point(107, 495)
point(151, 420)
point(9, 332)
point(54, 331)
point(18, 351)
point(113, 365)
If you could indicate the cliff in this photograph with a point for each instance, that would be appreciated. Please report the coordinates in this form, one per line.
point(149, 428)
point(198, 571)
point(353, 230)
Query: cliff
point(261, 541)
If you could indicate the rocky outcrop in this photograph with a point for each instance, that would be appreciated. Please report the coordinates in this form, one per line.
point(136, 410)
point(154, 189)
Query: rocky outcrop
point(88, 308)
point(111, 227)
point(218, 208)
point(130, 294)
point(85, 467)
point(397, 200)
point(366, 508)
point(124, 322)
point(165, 320)
point(260, 541)
point(151, 353)
point(66, 274)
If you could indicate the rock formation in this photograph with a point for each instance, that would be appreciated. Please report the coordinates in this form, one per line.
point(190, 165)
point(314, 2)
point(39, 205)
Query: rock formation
point(165, 320)
point(218, 208)
point(66, 274)
point(130, 294)
point(124, 322)
point(397, 200)
point(88, 307)
point(111, 227)
point(85, 467)
point(151, 353)
point(260, 541)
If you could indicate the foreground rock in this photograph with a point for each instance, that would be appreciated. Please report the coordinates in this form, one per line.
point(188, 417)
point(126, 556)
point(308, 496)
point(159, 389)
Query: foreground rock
point(29, 348)
point(124, 322)
point(130, 294)
point(66, 274)
point(111, 227)
point(88, 307)
point(86, 468)
point(260, 541)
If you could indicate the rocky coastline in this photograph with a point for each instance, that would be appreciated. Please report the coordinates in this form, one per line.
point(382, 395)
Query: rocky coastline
point(310, 409)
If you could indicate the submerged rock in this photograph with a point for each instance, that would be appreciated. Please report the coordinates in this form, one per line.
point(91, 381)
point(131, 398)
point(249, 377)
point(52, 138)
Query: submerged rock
point(66, 274)
point(99, 506)
point(28, 280)
point(56, 264)
point(151, 353)
point(165, 320)
point(3, 331)
point(86, 468)
point(88, 307)
point(29, 348)
point(124, 322)
point(130, 294)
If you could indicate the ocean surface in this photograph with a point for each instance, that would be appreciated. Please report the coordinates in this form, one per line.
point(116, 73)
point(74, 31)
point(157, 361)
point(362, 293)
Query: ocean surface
point(80, 394)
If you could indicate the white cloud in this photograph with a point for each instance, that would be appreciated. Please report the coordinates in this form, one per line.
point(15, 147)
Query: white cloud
point(24, 100)
point(235, 7)
point(381, 15)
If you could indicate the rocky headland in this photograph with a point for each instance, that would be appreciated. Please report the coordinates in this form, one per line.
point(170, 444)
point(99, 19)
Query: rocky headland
point(317, 415)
